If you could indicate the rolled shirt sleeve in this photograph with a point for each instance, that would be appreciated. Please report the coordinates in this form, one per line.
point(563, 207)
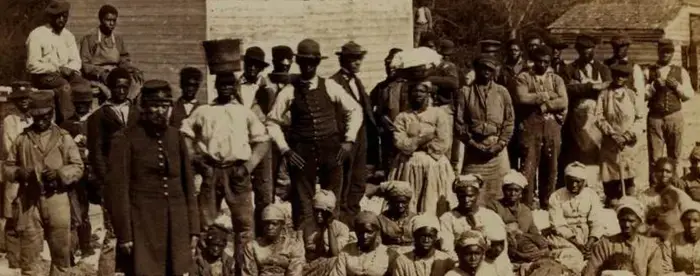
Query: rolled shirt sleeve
point(277, 117)
point(256, 130)
point(686, 89)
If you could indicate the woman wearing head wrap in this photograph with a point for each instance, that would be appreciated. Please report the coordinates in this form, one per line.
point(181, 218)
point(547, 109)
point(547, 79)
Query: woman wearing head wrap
point(683, 251)
point(526, 244)
point(574, 215)
point(273, 254)
point(645, 252)
point(395, 221)
point(691, 180)
point(484, 123)
point(468, 215)
point(471, 247)
point(326, 238)
point(422, 137)
point(368, 256)
point(425, 259)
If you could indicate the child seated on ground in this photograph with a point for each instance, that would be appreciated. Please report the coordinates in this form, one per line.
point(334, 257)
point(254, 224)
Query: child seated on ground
point(210, 258)
point(664, 221)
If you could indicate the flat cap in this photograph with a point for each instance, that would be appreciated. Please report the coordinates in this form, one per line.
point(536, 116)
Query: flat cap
point(621, 69)
point(156, 91)
point(621, 40)
point(82, 92)
point(489, 45)
point(57, 7)
point(20, 89)
point(557, 43)
point(586, 41)
point(486, 60)
point(41, 102)
point(541, 52)
point(666, 44)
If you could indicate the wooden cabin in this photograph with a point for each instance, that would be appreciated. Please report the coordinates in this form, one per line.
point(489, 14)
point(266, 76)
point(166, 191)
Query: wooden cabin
point(163, 36)
point(645, 21)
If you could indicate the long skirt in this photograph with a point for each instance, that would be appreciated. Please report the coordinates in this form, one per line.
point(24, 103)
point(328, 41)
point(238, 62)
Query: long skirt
point(431, 180)
point(319, 267)
point(491, 171)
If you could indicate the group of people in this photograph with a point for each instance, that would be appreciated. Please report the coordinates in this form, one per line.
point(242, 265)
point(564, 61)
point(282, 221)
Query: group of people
point(460, 156)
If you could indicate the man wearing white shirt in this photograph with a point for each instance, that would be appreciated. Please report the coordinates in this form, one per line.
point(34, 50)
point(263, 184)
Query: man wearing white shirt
point(621, 45)
point(668, 87)
point(53, 58)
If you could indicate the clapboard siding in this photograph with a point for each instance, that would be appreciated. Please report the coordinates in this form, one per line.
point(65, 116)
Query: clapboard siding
point(679, 28)
point(376, 25)
point(639, 52)
point(163, 36)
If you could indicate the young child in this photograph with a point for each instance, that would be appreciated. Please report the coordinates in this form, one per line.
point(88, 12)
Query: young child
point(691, 180)
point(618, 265)
point(664, 221)
point(211, 259)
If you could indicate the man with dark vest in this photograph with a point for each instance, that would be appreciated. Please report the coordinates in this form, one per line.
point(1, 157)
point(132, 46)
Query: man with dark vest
point(314, 146)
point(366, 149)
point(190, 81)
point(669, 86)
point(620, 45)
point(584, 78)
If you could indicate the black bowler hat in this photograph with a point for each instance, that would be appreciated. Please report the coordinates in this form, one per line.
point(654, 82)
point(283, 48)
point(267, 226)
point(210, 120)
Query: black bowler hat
point(223, 55)
point(255, 54)
point(623, 70)
point(351, 49)
point(309, 48)
point(156, 91)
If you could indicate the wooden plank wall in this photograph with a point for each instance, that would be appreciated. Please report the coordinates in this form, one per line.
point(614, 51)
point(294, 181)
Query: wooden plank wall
point(163, 35)
point(377, 25)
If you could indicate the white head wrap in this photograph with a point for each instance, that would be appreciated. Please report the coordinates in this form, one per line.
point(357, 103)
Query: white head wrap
point(616, 273)
point(631, 203)
point(515, 177)
point(577, 170)
point(463, 181)
point(425, 220)
point(395, 188)
point(324, 200)
point(496, 234)
point(273, 212)
point(693, 206)
point(470, 237)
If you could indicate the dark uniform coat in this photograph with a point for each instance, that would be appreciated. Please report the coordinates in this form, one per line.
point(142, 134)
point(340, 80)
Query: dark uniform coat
point(151, 188)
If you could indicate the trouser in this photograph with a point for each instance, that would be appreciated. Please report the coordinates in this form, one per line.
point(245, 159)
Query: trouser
point(354, 180)
point(224, 184)
point(62, 90)
point(418, 31)
point(82, 229)
point(613, 189)
point(263, 188)
point(48, 219)
point(12, 243)
point(108, 263)
point(321, 164)
point(539, 141)
point(665, 133)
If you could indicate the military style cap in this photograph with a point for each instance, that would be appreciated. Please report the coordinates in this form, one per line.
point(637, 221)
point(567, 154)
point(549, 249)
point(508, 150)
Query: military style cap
point(309, 48)
point(82, 92)
point(20, 90)
point(556, 43)
point(223, 55)
point(57, 7)
point(489, 45)
point(585, 41)
point(487, 60)
point(282, 52)
point(255, 54)
point(621, 40)
point(351, 49)
point(666, 44)
point(156, 91)
point(41, 102)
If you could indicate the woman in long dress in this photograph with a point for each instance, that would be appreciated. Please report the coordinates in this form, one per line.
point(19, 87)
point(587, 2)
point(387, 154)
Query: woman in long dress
point(422, 136)
point(368, 256)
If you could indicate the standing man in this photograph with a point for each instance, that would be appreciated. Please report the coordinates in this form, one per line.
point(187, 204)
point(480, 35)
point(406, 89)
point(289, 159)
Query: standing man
point(423, 21)
point(227, 141)
point(258, 97)
point(620, 45)
point(77, 128)
point(53, 59)
point(487, 47)
point(584, 78)
point(46, 163)
point(102, 50)
point(513, 65)
point(669, 87)
point(365, 151)
point(116, 114)
point(154, 209)
point(314, 146)
point(12, 126)
point(190, 81)
point(557, 46)
point(278, 79)
point(541, 102)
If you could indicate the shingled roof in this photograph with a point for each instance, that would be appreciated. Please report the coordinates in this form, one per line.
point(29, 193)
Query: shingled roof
point(627, 16)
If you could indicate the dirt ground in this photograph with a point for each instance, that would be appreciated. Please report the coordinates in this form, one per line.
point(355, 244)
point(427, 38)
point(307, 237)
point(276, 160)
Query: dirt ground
point(691, 112)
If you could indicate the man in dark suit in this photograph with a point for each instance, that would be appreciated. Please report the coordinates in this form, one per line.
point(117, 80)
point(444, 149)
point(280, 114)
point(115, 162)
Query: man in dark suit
point(366, 149)
point(584, 78)
point(116, 114)
point(190, 81)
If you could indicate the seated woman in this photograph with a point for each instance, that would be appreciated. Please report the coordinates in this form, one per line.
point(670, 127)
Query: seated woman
point(663, 180)
point(324, 239)
point(471, 247)
point(423, 135)
point(211, 259)
point(468, 215)
point(368, 256)
point(273, 254)
point(425, 258)
point(395, 221)
point(525, 243)
point(683, 253)
point(574, 213)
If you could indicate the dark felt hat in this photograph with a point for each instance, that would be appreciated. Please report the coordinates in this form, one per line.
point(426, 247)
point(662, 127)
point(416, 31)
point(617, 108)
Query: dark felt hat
point(227, 78)
point(486, 60)
point(556, 43)
point(620, 40)
point(621, 69)
point(223, 55)
point(586, 41)
point(57, 7)
point(489, 45)
point(281, 52)
point(666, 44)
point(351, 49)
point(156, 91)
point(309, 48)
point(191, 72)
point(82, 92)
point(541, 52)
point(20, 89)
point(41, 102)
point(447, 47)
point(255, 54)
